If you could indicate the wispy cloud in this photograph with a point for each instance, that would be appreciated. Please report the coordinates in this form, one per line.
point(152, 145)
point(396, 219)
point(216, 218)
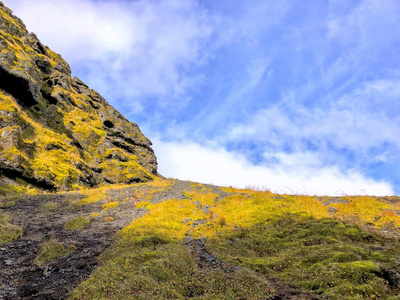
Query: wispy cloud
point(360, 119)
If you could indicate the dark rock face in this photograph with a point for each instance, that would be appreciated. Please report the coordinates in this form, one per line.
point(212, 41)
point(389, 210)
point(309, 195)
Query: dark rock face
point(55, 131)
point(18, 87)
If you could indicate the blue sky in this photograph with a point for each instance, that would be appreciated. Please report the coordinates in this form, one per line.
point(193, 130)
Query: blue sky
point(292, 96)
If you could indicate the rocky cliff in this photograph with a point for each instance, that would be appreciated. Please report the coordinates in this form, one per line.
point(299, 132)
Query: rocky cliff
point(56, 132)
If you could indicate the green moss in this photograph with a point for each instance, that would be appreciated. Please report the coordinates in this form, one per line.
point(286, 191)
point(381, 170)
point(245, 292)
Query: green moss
point(20, 188)
point(7, 103)
point(125, 172)
point(8, 231)
point(50, 251)
point(9, 203)
point(49, 206)
point(87, 126)
point(77, 223)
point(159, 269)
point(359, 269)
point(326, 257)
point(57, 166)
point(384, 257)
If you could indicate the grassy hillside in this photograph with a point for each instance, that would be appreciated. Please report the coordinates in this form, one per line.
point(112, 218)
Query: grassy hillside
point(225, 243)
point(169, 239)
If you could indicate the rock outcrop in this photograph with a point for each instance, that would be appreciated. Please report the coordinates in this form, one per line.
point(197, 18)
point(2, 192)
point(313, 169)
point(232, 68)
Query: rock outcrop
point(56, 132)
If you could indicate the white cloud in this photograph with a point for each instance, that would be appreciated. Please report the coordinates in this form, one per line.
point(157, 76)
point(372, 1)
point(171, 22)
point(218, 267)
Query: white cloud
point(78, 29)
point(361, 119)
point(300, 173)
point(126, 50)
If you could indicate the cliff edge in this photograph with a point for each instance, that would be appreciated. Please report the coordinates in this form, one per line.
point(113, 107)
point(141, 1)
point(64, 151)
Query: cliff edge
point(56, 132)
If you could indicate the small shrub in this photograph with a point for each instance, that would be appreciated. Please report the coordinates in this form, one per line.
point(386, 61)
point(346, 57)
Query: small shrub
point(110, 205)
point(221, 221)
point(95, 214)
point(108, 219)
point(77, 223)
point(10, 203)
point(71, 204)
point(5, 204)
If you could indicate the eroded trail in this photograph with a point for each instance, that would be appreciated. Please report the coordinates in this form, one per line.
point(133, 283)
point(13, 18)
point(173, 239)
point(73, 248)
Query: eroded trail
point(44, 217)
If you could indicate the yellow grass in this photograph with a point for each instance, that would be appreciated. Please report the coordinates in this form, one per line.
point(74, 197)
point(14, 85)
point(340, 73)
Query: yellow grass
point(369, 210)
point(110, 205)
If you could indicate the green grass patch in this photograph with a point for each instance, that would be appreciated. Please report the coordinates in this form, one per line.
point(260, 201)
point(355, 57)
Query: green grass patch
point(326, 257)
point(77, 223)
point(50, 251)
point(5, 204)
point(155, 268)
point(8, 231)
point(9, 191)
point(291, 239)
point(49, 206)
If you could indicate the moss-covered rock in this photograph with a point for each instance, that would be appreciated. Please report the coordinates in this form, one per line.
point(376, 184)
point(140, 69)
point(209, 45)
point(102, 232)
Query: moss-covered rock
point(55, 132)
